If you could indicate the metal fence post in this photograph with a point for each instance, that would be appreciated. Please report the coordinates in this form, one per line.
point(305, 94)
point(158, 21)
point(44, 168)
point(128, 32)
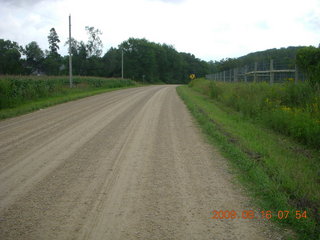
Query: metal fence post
point(296, 75)
point(255, 72)
point(235, 75)
point(245, 73)
point(271, 72)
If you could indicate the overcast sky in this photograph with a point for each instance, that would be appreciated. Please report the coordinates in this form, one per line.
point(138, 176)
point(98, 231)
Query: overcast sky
point(209, 29)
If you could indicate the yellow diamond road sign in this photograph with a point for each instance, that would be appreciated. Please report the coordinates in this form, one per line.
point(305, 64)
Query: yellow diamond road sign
point(192, 76)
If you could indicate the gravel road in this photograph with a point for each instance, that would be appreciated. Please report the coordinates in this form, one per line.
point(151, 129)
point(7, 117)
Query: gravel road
point(129, 164)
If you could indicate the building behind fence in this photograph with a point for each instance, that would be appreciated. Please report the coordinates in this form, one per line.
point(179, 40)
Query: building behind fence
point(259, 72)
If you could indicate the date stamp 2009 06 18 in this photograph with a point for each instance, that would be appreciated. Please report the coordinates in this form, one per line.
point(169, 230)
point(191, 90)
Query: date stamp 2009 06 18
point(250, 214)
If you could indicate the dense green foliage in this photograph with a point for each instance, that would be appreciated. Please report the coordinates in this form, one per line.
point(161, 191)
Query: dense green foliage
point(143, 60)
point(53, 40)
point(152, 62)
point(34, 57)
point(17, 90)
point(10, 58)
point(279, 173)
point(291, 109)
point(308, 60)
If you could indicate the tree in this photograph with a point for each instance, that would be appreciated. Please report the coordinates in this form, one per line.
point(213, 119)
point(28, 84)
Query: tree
point(53, 41)
point(143, 60)
point(52, 63)
point(79, 57)
point(112, 63)
point(154, 62)
point(308, 60)
point(74, 46)
point(34, 57)
point(10, 57)
point(53, 60)
point(94, 45)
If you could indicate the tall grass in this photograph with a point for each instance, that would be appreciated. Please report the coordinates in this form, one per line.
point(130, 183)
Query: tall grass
point(17, 90)
point(290, 109)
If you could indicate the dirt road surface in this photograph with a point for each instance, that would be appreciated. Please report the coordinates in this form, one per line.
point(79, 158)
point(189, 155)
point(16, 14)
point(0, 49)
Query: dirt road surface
point(128, 164)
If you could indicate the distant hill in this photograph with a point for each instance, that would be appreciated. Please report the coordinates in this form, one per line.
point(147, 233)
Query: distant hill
point(284, 57)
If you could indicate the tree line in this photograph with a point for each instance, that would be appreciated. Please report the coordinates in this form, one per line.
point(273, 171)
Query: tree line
point(143, 60)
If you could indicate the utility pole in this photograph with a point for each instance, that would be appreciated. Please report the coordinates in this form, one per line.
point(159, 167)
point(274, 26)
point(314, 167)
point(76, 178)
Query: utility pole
point(122, 63)
point(70, 57)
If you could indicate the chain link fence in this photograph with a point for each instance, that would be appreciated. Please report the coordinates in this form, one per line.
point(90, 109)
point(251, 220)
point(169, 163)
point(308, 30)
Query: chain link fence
point(260, 72)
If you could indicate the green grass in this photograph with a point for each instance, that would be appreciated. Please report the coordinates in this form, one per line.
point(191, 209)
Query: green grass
point(278, 172)
point(20, 95)
point(290, 109)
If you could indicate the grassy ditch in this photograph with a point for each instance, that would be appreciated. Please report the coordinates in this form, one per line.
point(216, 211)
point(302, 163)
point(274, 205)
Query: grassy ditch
point(22, 94)
point(280, 173)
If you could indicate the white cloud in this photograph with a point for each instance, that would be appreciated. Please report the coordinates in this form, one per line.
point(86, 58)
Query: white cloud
point(210, 29)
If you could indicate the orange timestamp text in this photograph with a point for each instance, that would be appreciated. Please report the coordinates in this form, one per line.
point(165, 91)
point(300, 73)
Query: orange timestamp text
point(250, 214)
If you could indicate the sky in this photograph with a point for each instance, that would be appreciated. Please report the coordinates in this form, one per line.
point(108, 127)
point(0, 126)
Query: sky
point(209, 29)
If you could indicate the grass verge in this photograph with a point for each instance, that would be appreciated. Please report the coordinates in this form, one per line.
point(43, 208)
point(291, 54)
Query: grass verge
point(279, 173)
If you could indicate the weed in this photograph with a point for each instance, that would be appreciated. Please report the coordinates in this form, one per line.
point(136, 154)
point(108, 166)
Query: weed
point(291, 109)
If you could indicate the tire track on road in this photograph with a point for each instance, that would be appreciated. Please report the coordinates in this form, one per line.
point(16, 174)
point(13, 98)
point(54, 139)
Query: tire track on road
point(129, 164)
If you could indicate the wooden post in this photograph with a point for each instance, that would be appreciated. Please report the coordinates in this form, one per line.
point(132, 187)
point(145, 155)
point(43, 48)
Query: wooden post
point(235, 75)
point(224, 76)
point(230, 75)
point(296, 75)
point(245, 73)
point(122, 63)
point(271, 72)
point(255, 72)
